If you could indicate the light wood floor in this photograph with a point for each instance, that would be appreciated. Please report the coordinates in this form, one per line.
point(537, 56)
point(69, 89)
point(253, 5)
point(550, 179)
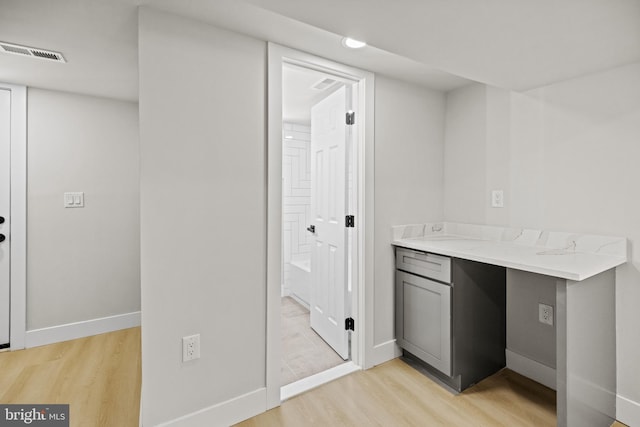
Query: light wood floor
point(304, 353)
point(394, 394)
point(99, 377)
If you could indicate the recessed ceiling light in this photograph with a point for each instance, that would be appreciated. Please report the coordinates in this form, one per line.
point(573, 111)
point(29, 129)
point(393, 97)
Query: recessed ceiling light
point(288, 137)
point(352, 43)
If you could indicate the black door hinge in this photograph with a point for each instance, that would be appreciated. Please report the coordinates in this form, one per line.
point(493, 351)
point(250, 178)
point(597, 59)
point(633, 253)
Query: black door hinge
point(349, 324)
point(349, 221)
point(351, 117)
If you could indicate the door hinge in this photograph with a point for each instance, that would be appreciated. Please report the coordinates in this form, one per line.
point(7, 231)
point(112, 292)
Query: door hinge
point(349, 324)
point(351, 117)
point(349, 221)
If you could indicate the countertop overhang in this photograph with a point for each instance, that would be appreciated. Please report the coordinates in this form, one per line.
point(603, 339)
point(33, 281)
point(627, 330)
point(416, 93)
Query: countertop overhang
point(565, 255)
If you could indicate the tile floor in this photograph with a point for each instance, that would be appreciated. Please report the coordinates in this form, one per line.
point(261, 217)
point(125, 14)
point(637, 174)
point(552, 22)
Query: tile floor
point(304, 353)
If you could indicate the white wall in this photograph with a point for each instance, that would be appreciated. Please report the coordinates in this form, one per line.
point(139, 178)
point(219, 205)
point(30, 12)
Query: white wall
point(587, 179)
point(83, 263)
point(203, 218)
point(409, 143)
point(202, 116)
point(573, 158)
point(464, 153)
point(526, 336)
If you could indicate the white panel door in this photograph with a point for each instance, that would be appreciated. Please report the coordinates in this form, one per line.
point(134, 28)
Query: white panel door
point(328, 208)
point(5, 174)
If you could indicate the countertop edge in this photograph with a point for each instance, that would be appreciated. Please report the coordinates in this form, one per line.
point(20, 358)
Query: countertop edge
point(608, 261)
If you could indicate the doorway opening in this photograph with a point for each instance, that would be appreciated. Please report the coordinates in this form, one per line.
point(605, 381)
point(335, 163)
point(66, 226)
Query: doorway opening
point(13, 215)
point(5, 217)
point(316, 220)
point(317, 197)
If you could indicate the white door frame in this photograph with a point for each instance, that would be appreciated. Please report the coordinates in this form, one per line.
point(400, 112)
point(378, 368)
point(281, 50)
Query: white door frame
point(363, 259)
point(18, 236)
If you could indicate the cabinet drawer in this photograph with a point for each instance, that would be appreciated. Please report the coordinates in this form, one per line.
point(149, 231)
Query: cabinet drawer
point(428, 265)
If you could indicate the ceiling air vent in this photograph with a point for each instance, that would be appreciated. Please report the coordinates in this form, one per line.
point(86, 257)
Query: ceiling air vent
point(31, 51)
point(324, 84)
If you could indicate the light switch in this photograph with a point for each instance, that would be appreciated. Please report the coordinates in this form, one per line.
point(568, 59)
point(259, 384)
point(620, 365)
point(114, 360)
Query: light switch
point(497, 199)
point(74, 199)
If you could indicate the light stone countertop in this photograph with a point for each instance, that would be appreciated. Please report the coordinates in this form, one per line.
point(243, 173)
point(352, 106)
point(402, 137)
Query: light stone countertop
point(564, 255)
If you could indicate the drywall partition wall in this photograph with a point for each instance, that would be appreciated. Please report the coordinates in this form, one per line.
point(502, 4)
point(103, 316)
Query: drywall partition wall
point(464, 153)
point(83, 263)
point(203, 213)
point(573, 158)
point(585, 179)
point(530, 343)
point(408, 184)
point(476, 154)
point(498, 153)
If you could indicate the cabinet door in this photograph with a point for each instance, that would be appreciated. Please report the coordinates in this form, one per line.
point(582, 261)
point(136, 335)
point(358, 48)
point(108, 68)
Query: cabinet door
point(423, 319)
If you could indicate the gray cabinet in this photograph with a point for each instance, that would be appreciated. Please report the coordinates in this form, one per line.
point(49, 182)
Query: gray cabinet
point(451, 315)
point(423, 319)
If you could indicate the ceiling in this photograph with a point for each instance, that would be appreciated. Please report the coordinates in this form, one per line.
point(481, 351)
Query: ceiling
point(516, 44)
point(98, 39)
point(299, 94)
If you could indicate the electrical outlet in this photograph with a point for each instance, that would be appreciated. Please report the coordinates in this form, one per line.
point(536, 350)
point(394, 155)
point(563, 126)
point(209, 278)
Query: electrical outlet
point(190, 347)
point(545, 314)
point(497, 198)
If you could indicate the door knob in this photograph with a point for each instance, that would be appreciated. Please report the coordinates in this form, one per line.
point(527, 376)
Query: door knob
point(2, 237)
point(311, 229)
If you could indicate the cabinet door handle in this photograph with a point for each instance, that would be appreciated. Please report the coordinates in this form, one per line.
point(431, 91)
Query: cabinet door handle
point(2, 237)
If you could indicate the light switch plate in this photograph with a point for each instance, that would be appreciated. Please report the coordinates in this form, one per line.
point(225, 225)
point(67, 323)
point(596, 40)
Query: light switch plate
point(74, 199)
point(497, 199)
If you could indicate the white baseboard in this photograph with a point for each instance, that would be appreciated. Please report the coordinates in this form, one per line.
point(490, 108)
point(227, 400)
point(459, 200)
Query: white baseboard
point(86, 328)
point(599, 402)
point(305, 384)
point(531, 369)
point(627, 411)
point(299, 301)
point(284, 291)
point(226, 413)
point(381, 353)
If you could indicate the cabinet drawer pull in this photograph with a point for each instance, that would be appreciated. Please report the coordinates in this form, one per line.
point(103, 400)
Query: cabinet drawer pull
point(424, 264)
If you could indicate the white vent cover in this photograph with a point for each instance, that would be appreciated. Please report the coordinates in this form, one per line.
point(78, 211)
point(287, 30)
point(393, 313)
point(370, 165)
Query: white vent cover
point(324, 84)
point(31, 51)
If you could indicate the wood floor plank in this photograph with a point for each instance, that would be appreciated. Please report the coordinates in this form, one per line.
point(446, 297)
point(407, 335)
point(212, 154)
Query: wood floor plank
point(396, 394)
point(99, 377)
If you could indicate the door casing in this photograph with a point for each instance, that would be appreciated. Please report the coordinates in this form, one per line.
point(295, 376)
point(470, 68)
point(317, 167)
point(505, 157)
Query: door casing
point(18, 236)
point(363, 261)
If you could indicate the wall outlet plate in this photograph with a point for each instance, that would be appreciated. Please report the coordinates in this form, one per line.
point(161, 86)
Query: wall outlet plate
point(545, 314)
point(190, 347)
